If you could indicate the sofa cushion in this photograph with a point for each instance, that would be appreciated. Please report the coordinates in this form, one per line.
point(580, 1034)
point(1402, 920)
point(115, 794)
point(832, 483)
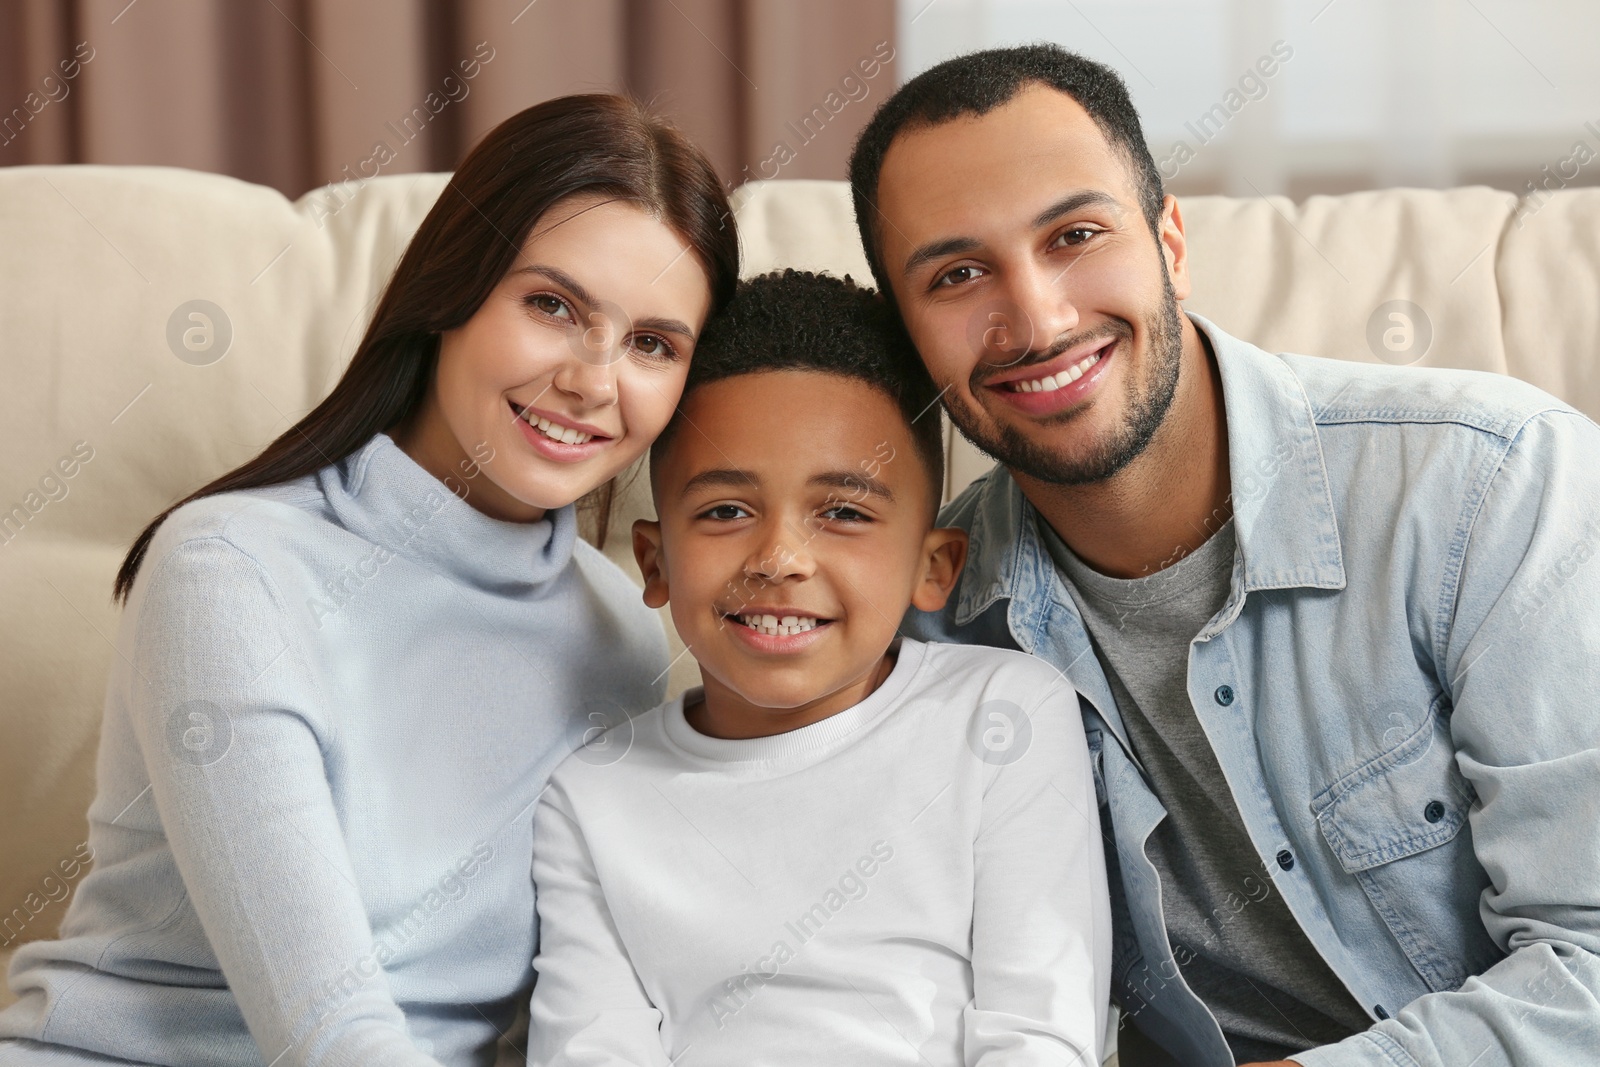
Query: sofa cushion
point(102, 264)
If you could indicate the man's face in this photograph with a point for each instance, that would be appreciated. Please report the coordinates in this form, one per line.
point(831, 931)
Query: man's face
point(1032, 285)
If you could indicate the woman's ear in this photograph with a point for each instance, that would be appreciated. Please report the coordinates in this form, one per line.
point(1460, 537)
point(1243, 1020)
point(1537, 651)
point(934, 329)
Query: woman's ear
point(944, 550)
point(647, 550)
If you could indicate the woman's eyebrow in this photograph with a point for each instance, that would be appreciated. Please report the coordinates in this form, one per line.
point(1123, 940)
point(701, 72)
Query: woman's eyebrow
point(665, 326)
point(561, 278)
point(576, 288)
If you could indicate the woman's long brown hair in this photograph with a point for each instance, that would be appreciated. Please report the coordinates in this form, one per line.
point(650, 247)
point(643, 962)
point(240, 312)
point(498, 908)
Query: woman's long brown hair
point(593, 143)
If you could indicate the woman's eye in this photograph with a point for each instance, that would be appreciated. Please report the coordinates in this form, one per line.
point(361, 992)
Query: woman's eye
point(958, 276)
point(725, 513)
point(653, 346)
point(550, 305)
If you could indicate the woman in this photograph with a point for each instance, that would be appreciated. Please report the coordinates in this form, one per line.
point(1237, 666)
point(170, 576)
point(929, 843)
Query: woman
point(347, 667)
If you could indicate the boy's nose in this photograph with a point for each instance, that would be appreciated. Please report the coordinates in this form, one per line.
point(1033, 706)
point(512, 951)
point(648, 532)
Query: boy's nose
point(780, 554)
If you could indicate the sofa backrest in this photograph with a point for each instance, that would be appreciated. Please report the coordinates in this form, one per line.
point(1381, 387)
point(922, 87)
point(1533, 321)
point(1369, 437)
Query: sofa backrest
point(119, 403)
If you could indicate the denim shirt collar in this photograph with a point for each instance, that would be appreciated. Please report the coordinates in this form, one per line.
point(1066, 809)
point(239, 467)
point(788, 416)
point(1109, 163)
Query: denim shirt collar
point(1282, 506)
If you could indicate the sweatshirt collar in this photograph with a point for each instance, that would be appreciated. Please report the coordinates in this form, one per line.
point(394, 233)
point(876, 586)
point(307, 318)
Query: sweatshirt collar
point(382, 494)
point(806, 744)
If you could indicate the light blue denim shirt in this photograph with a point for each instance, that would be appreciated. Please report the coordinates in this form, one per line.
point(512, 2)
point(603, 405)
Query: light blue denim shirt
point(1402, 690)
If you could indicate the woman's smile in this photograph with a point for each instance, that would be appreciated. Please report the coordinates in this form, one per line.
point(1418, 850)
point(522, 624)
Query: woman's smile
point(557, 440)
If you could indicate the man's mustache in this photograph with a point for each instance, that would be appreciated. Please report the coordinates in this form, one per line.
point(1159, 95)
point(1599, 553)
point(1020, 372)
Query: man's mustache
point(1119, 329)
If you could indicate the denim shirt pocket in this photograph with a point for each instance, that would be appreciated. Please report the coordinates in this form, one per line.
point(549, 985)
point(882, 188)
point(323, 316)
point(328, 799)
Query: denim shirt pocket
point(1395, 825)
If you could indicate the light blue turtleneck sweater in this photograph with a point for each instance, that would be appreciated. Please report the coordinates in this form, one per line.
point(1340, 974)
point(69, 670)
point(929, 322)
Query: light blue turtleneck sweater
point(334, 704)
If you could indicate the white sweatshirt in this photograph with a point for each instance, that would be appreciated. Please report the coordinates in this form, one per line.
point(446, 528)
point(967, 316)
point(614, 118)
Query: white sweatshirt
point(915, 880)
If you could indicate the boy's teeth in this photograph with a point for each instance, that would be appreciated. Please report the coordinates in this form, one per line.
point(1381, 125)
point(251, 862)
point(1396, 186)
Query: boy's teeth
point(779, 627)
point(565, 434)
point(1051, 383)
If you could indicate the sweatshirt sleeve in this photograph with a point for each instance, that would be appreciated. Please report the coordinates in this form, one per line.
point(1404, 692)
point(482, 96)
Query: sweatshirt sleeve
point(1041, 925)
point(227, 717)
point(589, 1008)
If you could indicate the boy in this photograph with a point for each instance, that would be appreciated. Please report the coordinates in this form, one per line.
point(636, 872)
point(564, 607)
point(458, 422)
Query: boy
point(846, 846)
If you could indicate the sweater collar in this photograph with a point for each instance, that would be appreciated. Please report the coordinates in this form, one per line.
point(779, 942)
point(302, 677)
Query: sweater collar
point(385, 496)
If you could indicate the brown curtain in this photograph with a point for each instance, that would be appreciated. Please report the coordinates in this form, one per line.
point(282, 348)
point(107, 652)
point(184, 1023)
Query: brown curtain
point(297, 93)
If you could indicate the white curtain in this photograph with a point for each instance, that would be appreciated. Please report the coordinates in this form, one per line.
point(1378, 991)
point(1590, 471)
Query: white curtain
point(1361, 94)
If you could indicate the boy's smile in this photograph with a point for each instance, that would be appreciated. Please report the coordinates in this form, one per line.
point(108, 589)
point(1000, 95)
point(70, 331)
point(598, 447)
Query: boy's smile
point(794, 533)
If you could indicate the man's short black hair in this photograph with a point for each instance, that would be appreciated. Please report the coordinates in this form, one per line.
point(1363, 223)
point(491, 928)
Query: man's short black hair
point(799, 320)
point(979, 82)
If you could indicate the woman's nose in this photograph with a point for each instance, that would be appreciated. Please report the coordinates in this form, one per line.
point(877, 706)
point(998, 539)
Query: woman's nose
point(589, 374)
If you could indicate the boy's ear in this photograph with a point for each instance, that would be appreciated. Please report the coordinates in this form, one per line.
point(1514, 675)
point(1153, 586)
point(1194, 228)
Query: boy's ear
point(944, 550)
point(647, 550)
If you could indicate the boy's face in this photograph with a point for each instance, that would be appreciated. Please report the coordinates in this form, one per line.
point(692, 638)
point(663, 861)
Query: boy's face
point(793, 533)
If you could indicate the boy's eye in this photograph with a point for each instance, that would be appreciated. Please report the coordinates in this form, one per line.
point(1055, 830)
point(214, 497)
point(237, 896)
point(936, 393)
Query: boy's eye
point(724, 513)
point(844, 513)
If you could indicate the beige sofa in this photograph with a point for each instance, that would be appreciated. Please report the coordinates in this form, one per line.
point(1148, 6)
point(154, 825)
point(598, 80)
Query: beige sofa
point(95, 261)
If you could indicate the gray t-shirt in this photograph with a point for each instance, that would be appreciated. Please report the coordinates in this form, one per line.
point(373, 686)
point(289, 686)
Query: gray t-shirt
point(1235, 940)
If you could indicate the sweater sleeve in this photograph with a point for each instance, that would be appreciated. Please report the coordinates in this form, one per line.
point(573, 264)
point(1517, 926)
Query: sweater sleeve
point(226, 714)
point(1041, 925)
point(589, 1008)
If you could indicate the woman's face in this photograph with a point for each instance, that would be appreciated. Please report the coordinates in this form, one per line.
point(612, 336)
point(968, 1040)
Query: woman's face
point(571, 366)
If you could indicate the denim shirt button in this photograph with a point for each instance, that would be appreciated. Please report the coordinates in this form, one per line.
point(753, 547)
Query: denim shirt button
point(1286, 860)
point(1224, 695)
point(1377, 1009)
point(1434, 811)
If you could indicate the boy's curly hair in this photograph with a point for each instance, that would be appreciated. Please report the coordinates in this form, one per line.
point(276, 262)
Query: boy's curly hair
point(800, 320)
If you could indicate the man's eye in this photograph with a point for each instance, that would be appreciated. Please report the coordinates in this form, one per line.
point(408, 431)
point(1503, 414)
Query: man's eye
point(725, 513)
point(958, 275)
point(1075, 236)
point(550, 304)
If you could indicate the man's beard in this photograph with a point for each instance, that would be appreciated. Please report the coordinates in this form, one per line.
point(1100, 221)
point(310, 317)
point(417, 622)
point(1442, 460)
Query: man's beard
point(1102, 459)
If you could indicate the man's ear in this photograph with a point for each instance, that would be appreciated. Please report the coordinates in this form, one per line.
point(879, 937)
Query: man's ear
point(647, 550)
point(1175, 246)
point(944, 551)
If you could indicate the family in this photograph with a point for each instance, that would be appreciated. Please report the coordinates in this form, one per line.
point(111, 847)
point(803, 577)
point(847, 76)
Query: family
point(1253, 694)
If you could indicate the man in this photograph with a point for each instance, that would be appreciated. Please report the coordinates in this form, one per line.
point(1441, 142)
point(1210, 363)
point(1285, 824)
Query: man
point(1333, 624)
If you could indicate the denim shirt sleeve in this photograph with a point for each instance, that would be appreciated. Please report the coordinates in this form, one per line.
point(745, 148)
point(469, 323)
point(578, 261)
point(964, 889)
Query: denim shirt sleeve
point(1519, 643)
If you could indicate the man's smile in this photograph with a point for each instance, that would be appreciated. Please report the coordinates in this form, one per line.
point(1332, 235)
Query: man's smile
point(1059, 383)
point(1049, 383)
